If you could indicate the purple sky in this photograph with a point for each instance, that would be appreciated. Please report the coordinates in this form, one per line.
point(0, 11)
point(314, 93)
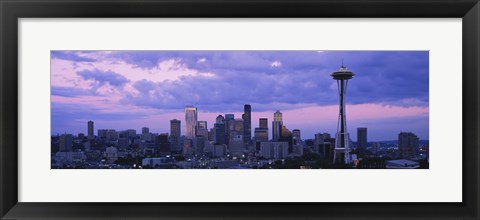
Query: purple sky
point(133, 89)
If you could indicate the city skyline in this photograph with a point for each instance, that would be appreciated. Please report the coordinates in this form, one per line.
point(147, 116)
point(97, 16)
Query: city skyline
point(134, 89)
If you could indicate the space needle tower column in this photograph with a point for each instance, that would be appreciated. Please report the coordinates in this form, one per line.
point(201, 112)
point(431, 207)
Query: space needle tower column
point(342, 149)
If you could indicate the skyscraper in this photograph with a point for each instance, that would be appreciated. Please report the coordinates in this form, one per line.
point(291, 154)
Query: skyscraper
point(220, 119)
point(296, 136)
point(277, 126)
point(247, 123)
point(362, 138)
point(236, 146)
point(66, 142)
point(261, 135)
point(239, 126)
point(408, 145)
point(90, 130)
point(202, 124)
point(229, 117)
point(263, 123)
point(146, 134)
point(202, 129)
point(342, 148)
point(219, 136)
point(175, 134)
point(190, 122)
point(163, 144)
point(229, 126)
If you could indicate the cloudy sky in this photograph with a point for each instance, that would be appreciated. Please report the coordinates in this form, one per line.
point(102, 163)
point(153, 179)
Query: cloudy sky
point(134, 89)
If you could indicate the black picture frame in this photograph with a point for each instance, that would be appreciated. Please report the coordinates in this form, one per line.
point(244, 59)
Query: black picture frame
point(12, 10)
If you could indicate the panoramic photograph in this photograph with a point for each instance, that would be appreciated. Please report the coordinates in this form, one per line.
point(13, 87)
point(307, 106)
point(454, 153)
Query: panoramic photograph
point(239, 109)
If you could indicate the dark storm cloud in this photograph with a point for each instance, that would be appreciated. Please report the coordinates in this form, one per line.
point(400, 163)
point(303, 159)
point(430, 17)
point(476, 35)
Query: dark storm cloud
point(300, 77)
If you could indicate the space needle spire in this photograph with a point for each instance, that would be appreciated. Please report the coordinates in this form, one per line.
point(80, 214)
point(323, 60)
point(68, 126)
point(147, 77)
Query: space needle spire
point(342, 149)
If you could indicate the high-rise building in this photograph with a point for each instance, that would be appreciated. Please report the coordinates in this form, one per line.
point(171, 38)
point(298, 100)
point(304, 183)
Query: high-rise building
point(66, 142)
point(263, 123)
point(200, 144)
point(202, 129)
point(277, 126)
point(286, 136)
point(239, 126)
point(408, 145)
point(90, 130)
point(112, 135)
point(296, 136)
point(236, 147)
point(261, 135)
point(220, 119)
point(247, 123)
point(146, 136)
point(229, 117)
point(211, 133)
point(362, 138)
point(131, 133)
point(229, 126)
point(190, 122)
point(342, 149)
point(175, 134)
point(102, 133)
point(276, 150)
point(163, 143)
point(202, 124)
point(219, 133)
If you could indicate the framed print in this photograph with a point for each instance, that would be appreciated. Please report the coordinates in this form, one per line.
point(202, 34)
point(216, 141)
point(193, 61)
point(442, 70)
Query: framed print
point(124, 109)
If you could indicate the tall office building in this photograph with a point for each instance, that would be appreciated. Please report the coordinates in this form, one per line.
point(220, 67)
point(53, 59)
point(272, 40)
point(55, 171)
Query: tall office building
point(202, 129)
point(190, 122)
point(219, 133)
point(408, 145)
point(342, 148)
point(202, 124)
point(102, 133)
point(146, 136)
point(229, 117)
point(229, 126)
point(175, 134)
point(220, 119)
point(277, 126)
point(236, 146)
point(163, 143)
point(90, 130)
point(200, 144)
point(247, 123)
point(66, 142)
point(362, 138)
point(112, 135)
point(239, 126)
point(263, 123)
point(277, 150)
point(131, 133)
point(261, 135)
point(296, 136)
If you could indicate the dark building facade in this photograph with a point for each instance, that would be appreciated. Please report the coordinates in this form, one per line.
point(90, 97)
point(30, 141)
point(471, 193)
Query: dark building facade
point(247, 123)
point(408, 145)
point(175, 134)
point(362, 138)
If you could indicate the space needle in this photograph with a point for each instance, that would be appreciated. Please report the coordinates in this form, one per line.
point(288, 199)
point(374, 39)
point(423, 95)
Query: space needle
point(342, 149)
